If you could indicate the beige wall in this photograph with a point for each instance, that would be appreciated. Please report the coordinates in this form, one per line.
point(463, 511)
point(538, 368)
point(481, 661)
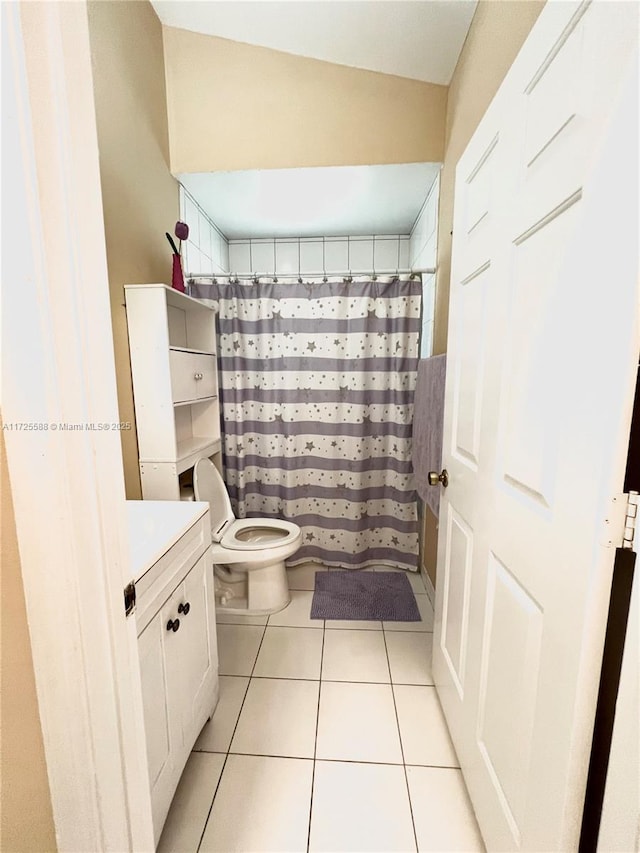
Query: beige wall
point(236, 106)
point(497, 33)
point(27, 821)
point(140, 196)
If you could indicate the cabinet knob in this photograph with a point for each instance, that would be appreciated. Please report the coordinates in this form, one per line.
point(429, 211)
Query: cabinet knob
point(173, 625)
point(184, 608)
point(197, 375)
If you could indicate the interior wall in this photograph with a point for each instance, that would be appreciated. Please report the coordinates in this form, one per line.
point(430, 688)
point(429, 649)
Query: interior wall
point(26, 817)
point(238, 106)
point(140, 196)
point(495, 37)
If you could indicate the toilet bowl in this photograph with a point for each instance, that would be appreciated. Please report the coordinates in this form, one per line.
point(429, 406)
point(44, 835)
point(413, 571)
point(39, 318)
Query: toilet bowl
point(248, 553)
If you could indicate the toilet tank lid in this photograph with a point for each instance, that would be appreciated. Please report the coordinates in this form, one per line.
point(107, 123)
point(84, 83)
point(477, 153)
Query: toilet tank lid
point(209, 486)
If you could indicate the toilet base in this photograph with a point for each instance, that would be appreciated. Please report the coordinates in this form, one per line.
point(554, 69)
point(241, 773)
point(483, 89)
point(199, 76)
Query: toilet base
point(260, 592)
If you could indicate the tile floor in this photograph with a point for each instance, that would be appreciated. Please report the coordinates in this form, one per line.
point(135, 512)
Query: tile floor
point(328, 736)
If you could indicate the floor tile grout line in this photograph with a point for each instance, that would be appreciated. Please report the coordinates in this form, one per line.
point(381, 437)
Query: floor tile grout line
point(404, 765)
point(315, 743)
point(330, 680)
point(215, 791)
point(228, 752)
point(318, 628)
point(332, 760)
point(273, 677)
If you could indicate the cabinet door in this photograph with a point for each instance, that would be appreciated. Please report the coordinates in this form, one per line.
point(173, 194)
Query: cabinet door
point(199, 663)
point(183, 376)
point(193, 376)
point(179, 671)
point(206, 368)
point(160, 725)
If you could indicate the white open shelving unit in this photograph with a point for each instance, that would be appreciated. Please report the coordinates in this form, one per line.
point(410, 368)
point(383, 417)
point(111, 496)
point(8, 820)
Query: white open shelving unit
point(172, 344)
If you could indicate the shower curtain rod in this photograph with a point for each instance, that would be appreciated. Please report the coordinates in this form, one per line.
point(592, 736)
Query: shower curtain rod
point(346, 274)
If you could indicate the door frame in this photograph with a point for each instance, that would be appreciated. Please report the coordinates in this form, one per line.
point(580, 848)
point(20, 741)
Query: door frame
point(67, 485)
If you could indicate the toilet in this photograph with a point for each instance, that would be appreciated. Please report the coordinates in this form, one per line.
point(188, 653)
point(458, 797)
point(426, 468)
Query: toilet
point(248, 554)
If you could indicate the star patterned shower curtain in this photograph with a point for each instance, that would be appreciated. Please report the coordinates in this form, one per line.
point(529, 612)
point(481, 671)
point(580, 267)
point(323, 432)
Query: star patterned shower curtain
point(316, 391)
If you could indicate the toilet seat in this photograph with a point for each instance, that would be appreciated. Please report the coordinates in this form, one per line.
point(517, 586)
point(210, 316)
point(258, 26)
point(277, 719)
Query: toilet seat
point(237, 534)
point(257, 534)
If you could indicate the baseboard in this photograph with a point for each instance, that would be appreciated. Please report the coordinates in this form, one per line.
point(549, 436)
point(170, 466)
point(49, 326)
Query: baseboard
point(431, 593)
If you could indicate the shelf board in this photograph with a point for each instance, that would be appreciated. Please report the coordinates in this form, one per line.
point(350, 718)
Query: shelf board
point(194, 351)
point(174, 297)
point(188, 451)
point(191, 449)
point(195, 402)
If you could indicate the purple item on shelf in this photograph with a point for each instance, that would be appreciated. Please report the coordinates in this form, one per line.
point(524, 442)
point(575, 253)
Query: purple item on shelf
point(177, 279)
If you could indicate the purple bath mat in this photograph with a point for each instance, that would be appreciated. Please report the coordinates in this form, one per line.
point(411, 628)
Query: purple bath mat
point(378, 596)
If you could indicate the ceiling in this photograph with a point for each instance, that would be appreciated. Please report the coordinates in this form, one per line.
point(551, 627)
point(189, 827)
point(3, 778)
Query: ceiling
point(409, 38)
point(328, 201)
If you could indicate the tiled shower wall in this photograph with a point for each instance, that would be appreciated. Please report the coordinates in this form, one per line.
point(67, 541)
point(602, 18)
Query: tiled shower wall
point(319, 255)
point(209, 252)
point(428, 308)
point(422, 251)
point(206, 252)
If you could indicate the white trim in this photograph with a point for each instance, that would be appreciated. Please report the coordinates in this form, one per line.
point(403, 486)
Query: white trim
point(436, 181)
point(68, 487)
point(431, 592)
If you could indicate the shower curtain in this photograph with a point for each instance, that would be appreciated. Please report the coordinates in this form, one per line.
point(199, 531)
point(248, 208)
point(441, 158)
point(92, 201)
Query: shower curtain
point(316, 390)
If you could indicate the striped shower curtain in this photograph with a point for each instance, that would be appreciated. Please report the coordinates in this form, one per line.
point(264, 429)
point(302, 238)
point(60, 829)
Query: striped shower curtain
point(317, 382)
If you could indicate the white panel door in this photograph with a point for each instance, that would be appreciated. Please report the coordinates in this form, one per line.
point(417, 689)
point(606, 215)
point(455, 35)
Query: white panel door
point(543, 343)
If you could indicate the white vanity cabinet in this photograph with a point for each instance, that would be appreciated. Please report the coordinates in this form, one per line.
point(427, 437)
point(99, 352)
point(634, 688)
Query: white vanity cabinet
point(175, 615)
point(172, 346)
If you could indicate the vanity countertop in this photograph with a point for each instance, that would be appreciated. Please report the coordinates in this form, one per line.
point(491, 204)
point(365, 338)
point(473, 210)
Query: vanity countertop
point(154, 526)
